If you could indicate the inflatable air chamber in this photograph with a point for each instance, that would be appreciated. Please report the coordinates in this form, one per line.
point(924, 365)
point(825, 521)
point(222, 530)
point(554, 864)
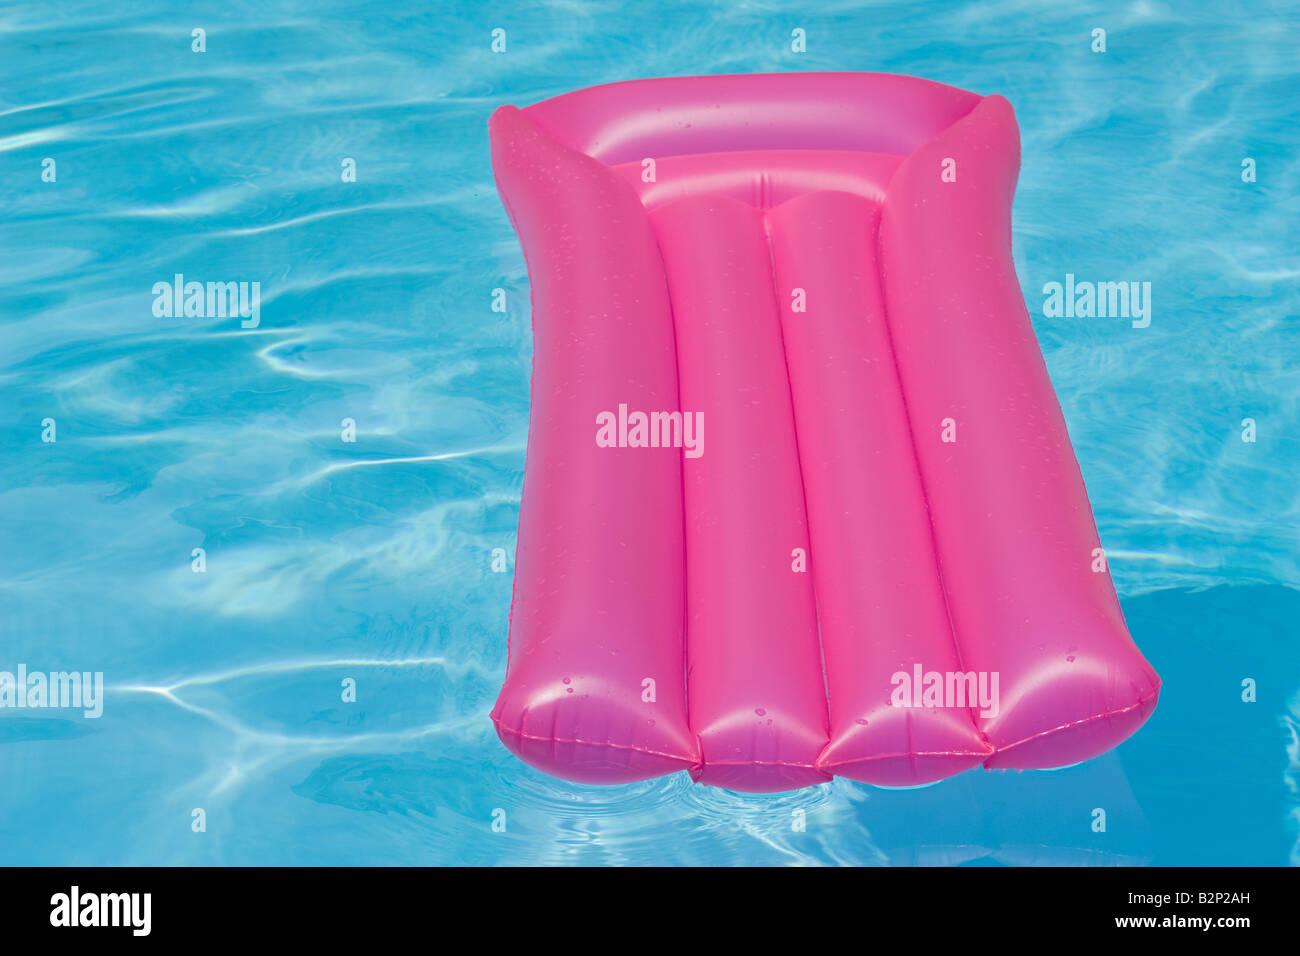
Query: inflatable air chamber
point(799, 499)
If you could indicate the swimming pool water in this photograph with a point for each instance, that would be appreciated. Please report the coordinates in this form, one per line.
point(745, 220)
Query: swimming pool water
point(372, 560)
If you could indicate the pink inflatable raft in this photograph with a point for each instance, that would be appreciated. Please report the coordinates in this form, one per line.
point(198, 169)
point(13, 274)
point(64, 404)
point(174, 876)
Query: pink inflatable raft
point(799, 499)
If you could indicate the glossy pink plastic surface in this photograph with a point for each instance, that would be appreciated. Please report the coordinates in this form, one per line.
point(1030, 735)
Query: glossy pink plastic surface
point(754, 670)
point(819, 266)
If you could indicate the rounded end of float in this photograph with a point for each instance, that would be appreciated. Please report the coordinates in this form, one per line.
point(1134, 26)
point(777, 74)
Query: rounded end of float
point(758, 777)
point(591, 731)
point(1075, 741)
point(590, 761)
point(906, 747)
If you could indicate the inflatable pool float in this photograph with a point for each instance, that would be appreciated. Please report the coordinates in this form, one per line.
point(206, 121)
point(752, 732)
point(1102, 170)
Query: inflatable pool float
point(799, 499)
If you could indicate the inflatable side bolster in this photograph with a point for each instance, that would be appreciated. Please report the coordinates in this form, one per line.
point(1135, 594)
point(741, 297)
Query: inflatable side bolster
point(1017, 545)
point(595, 683)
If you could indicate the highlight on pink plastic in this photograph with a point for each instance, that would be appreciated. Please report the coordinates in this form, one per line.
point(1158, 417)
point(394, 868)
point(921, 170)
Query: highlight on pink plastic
point(799, 500)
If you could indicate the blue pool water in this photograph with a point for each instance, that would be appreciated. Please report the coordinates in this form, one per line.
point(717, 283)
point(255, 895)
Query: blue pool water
point(371, 560)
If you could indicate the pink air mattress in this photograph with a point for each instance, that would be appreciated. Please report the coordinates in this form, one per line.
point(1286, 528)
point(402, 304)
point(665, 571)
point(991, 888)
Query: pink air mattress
point(799, 499)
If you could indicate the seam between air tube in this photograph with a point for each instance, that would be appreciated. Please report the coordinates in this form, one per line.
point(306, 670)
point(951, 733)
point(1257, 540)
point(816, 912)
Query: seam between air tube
point(686, 758)
point(979, 754)
point(1092, 718)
